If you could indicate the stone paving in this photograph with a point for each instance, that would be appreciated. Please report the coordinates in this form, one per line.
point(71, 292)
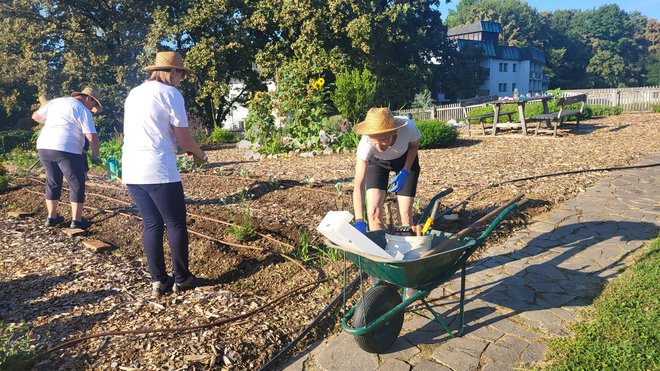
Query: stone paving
point(523, 292)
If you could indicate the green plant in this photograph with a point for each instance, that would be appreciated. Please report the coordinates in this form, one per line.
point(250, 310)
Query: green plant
point(423, 99)
point(436, 134)
point(243, 229)
point(260, 124)
point(22, 159)
point(656, 108)
point(309, 181)
point(304, 249)
point(16, 348)
point(220, 135)
point(417, 205)
point(184, 163)
point(355, 93)
point(12, 139)
point(3, 183)
point(244, 173)
point(621, 329)
point(339, 187)
point(110, 148)
point(273, 181)
point(597, 110)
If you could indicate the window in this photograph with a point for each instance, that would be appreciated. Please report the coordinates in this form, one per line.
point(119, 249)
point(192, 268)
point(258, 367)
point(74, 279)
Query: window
point(513, 68)
point(513, 85)
point(502, 87)
point(503, 67)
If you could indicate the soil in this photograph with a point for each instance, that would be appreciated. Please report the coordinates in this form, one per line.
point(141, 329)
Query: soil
point(64, 290)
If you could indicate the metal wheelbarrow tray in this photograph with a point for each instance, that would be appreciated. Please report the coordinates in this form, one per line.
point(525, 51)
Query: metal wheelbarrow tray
point(378, 317)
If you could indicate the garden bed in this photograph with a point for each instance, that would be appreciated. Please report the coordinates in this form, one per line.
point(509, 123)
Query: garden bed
point(63, 290)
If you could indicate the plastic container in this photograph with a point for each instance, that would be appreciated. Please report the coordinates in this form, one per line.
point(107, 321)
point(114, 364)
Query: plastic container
point(336, 226)
point(113, 165)
point(407, 247)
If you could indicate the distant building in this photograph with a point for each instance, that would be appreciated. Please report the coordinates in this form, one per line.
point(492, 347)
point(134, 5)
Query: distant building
point(235, 120)
point(508, 67)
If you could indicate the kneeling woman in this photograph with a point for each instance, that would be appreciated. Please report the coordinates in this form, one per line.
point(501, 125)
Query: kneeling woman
point(155, 121)
point(388, 143)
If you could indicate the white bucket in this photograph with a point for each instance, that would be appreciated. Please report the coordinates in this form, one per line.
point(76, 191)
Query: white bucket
point(407, 247)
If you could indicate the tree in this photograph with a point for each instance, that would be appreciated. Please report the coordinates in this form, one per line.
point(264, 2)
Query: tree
point(355, 93)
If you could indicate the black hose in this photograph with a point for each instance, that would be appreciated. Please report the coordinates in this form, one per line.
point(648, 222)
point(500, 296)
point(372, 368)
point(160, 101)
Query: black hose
point(309, 327)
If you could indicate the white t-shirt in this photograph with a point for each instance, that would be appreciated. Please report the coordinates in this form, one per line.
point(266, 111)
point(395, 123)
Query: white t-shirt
point(67, 122)
point(149, 152)
point(405, 135)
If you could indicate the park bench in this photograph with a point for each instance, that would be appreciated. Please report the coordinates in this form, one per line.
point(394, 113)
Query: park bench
point(467, 104)
point(557, 118)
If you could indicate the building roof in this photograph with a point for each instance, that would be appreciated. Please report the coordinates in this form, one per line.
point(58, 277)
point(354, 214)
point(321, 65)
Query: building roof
point(479, 26)
point(491, 49)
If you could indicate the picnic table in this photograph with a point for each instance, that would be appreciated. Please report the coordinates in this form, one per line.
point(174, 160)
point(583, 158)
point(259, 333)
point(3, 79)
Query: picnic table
point(520, 101)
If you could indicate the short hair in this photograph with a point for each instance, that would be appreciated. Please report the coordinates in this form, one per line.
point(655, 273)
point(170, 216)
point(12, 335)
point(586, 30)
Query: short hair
point(163, 76)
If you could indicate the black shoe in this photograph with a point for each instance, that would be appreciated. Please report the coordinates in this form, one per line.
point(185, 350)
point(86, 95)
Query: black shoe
point(187, 284)
point(159, 289)
point(51, 222)
point(80, 224)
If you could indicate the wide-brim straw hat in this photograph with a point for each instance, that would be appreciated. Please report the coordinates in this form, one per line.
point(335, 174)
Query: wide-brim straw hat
point(379, 121)
point(91, 93)
point(167, 61)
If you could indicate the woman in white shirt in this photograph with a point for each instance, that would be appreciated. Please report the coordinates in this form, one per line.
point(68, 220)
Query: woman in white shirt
point(388, 143)
point(155, 121)
point(67, 123)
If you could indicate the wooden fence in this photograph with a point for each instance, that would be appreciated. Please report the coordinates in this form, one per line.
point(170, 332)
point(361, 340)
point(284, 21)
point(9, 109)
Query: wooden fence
point(629, 99)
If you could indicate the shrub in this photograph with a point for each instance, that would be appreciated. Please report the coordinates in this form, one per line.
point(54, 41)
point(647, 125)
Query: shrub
point(597, 110)
point(355, 93)
point(656, 109)
point(220, 135)
point(15, 139)
point(436, 134)
point(3, 183)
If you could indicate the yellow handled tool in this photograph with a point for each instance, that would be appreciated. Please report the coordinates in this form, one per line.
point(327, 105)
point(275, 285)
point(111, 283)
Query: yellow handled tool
point(429, 220)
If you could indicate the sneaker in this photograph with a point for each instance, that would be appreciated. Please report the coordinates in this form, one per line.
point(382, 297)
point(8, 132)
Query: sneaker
point(187, 284)
point(80, 224)
point(159, 289)
point(51, 222)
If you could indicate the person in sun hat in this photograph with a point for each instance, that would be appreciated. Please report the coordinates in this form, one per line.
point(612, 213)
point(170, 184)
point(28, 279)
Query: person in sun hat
point(155, 121)
point(388, 143)
point(68, 124)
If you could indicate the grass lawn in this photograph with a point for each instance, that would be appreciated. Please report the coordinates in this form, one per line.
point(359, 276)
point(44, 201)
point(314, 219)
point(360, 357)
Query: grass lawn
point(622, 329)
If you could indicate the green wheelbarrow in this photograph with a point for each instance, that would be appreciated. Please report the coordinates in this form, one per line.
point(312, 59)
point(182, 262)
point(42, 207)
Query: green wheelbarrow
point(376, 320)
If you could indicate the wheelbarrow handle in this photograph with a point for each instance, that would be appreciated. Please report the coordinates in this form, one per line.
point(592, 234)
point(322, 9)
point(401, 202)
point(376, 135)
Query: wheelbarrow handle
point(431, 204)
point(502, 211)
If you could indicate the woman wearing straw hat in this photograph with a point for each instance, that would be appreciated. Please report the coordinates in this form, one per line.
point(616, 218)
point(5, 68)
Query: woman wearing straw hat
point(67, 124)
point(155, 121)
point(388, 144)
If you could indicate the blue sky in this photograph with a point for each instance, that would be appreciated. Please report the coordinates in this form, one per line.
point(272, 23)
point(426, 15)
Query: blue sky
point(649, 8)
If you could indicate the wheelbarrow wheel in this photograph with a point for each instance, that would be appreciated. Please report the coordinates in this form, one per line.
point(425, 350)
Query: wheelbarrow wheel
point(376, 302)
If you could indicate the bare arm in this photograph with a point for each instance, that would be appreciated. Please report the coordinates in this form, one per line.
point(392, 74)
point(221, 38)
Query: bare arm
point(93, 143)
point(413, 148)
point(36, 117)
point(186, 141)
point(358, 189)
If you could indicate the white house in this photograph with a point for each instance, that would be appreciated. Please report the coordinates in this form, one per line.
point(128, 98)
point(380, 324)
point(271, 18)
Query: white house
point(235, 120)
point(508, 67)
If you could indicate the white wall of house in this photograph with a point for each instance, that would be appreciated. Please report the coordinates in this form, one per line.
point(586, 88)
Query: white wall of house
point(506, 75)
point(235, 120)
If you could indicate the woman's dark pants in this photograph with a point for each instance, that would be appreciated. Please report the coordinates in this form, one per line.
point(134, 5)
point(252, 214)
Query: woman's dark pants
point(163, 204)
point(59, 164)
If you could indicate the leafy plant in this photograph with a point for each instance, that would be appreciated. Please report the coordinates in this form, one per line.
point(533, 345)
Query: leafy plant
point(110, 148)
point(16, 348)
point(220, 135)
point(355, 93)
point(12, 139)
point(184, 163)
point(597, 110)
point(656, 109)
point(423, 99)
point(244, 229)
point(339, 187)
point(309, 181)
point(3, 183)
point(243, 172)
point(21, 158)
point(436, 134)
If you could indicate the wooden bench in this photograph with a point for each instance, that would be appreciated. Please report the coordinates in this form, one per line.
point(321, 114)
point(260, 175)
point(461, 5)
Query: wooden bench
point(557, 118)
point(467, 104)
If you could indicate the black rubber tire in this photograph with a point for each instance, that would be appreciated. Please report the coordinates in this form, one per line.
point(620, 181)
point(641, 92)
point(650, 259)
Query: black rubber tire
point(376, 302)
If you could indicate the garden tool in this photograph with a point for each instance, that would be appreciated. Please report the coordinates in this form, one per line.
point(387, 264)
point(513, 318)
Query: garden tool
point(110, 172)
point(429, 221)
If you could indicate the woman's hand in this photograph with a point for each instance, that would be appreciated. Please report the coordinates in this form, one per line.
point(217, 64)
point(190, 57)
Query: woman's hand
point(398, 181)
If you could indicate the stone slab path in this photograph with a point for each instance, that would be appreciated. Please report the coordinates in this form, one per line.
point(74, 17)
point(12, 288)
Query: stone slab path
point(523, 292)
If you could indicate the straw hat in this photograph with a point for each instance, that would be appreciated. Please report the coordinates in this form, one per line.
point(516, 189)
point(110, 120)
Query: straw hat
point(168, 61)
point(379, 121)
point(90, 93)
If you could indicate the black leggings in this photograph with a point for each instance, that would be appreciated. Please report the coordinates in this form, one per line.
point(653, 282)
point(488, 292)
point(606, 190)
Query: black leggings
point(60, 164)
point(378, 172)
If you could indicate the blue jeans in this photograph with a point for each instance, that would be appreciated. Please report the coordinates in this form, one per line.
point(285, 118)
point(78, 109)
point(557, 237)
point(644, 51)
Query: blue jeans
point(163, 205)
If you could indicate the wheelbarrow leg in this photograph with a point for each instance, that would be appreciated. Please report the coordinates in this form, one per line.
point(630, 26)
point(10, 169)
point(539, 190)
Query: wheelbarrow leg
point(461, 310)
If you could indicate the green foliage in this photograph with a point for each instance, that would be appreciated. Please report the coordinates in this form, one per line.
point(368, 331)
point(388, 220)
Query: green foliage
point(3, 183)
point(16, 346)
point(21, 158)
point(220, 135)
point(621, 329)
point(308, 253)
point(260, 124)
point(656, 109)
point(597, 110)
point(423, 99)
point(11, 139)
point(243, 229)
point(436, 134)
point(184, 163)
point(355, 93)
point(110, 148)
